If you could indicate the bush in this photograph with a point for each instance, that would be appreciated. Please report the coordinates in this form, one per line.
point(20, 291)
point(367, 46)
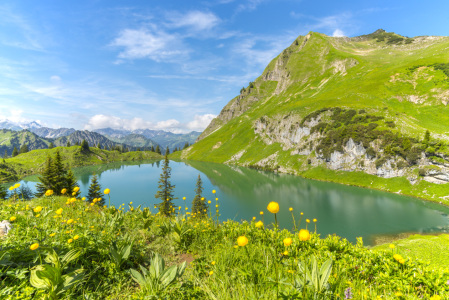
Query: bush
point(421, 172)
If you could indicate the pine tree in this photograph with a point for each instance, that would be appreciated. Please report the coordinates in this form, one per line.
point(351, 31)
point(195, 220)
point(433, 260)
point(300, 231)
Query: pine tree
point(23, 149)
point(70, 184)
point(165, 192)
point(199, 205)
point(186, 145)
point(68, 144)
point(59, 174)
point(427, 137)
point(46, 178)
point(6, 154)
point(51, 146)
point(95, 190)
point(158, 149)
point(15, 152)
point(152, 148)
point(84, 146)
point(3, 192)
point(167, 151)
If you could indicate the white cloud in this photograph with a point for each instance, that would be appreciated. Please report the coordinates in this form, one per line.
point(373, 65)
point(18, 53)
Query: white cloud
point(146, 43)
point(196, 20)
point(338, 33)
point(15, 116)
point(199, 123)
point(55, 79)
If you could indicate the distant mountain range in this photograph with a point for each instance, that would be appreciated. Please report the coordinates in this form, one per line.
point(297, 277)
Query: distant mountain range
point(39, 137)
point(163, 138)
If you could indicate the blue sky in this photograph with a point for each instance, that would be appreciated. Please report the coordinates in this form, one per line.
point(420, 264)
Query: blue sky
point(170, 65)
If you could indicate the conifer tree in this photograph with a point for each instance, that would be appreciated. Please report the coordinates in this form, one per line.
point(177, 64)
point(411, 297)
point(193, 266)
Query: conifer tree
point(186, 145)
point(427, 137)
point(6, 154)
point(152, 148)
point(199, 205)
point(95, 190)
point(59, 174)
point(165, 193)
point(158, 149)
point(23, 149)
point(84, 146)
point(3, 192)
point(15, 152)
point(46, 178)
point(51, 146)
point(68, 144)
point(70, 184)
point(167, 151)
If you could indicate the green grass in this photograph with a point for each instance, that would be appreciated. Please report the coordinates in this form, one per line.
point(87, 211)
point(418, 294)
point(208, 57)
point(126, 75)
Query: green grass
point(33, 162)
point(106, 244)
point(380, 82)
point(431, 249)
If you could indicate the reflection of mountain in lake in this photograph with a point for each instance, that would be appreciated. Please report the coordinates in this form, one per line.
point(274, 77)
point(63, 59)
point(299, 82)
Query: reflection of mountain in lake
point(339, 208)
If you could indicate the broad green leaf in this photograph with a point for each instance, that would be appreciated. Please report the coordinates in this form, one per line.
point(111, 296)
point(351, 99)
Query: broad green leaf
point(169, 276)
point(325, 272)
point(71, 255)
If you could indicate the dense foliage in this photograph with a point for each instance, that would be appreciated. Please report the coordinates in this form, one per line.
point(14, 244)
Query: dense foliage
point(60, 248)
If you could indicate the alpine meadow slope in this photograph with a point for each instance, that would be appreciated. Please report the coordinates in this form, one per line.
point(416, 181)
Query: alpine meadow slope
point(374, 105)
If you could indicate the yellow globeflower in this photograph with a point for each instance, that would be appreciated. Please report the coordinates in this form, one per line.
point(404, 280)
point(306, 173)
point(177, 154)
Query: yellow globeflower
point(314, 220)
point(34, 246)
point(307, 220)
point(69, 241)
point(52, 234)
point(304, 235)
point(17, 185)
point(63, 191)
point(259, 224)
point(48, 193)
point(214, 191)
point(69, 221)
point(261, 213)
point(273, 207)
point(92, 204)
point(38, 209)
point(76, 237)
point(397, 257)
point(107, 191)
point(242, 241)
point(59, 211)
point(285, 253)
point(287, 242)
point(74, 194)
point(12, 219)
point(290, 209)
point(435, 297)
point(211, 273)
point(84, 198)
point(209, 202)
point(11, 188)
point(76, 189)
point(391, 246)
point(213, 263)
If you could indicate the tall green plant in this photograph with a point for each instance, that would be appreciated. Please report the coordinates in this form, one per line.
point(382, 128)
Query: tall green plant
point(50, 276)
point(155, 280)
point(165, 193)
point(95, 190)
point(199, 205)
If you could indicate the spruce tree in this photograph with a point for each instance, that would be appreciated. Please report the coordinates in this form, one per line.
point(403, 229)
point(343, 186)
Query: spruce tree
point(59, 174)
point(84, 146)
point(186, 145)
point(51, 146)
point(167, 151)
point(70, 184)
point(199, 205)
point(15, 152)
point(3, 192)
point(158, 149)
point(152, 148)
point(6, 154)
point(427, 137)
point(46, 179)
point(165, 193)
point(95, 190)
point(23, 149)
point(68, 144)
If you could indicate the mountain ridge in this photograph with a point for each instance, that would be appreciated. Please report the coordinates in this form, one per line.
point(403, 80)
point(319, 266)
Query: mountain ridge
point(369, 100)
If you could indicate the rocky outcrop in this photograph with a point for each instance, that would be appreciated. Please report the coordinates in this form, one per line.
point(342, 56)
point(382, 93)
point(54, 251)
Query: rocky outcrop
point(5, 227)
point(300, 138)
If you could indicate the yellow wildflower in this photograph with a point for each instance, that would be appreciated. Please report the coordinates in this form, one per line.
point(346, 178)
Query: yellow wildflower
point(69, 241)
point(76, 189)
point(34, 246)
point(259, 224)
point(273, 207)
point(304, 235)
point(63, 191)
point(69, 221)
point(38, 209)
point(12, 219)
point(59, 211)
point(242, 241)
point(76, 237)
point(106, 191)
point(287, 242)
point(52, 234)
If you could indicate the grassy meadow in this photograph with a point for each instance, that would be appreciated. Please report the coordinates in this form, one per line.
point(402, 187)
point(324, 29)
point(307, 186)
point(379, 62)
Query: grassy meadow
point(66, 248)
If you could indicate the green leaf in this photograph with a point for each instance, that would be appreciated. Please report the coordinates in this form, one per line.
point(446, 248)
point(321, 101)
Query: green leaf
point(137, 277)
point(325, 272)
point(71, 255)
point(71, 279)
point(45, 277)
point(169, 276)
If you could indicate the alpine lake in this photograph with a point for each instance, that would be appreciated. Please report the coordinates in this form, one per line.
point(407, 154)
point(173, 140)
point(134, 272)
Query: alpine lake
point(349, 212)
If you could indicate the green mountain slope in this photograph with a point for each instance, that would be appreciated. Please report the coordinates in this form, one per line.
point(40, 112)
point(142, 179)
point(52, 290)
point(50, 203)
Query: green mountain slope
point(10, 139)
point(33, 162)
point(343, 104)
